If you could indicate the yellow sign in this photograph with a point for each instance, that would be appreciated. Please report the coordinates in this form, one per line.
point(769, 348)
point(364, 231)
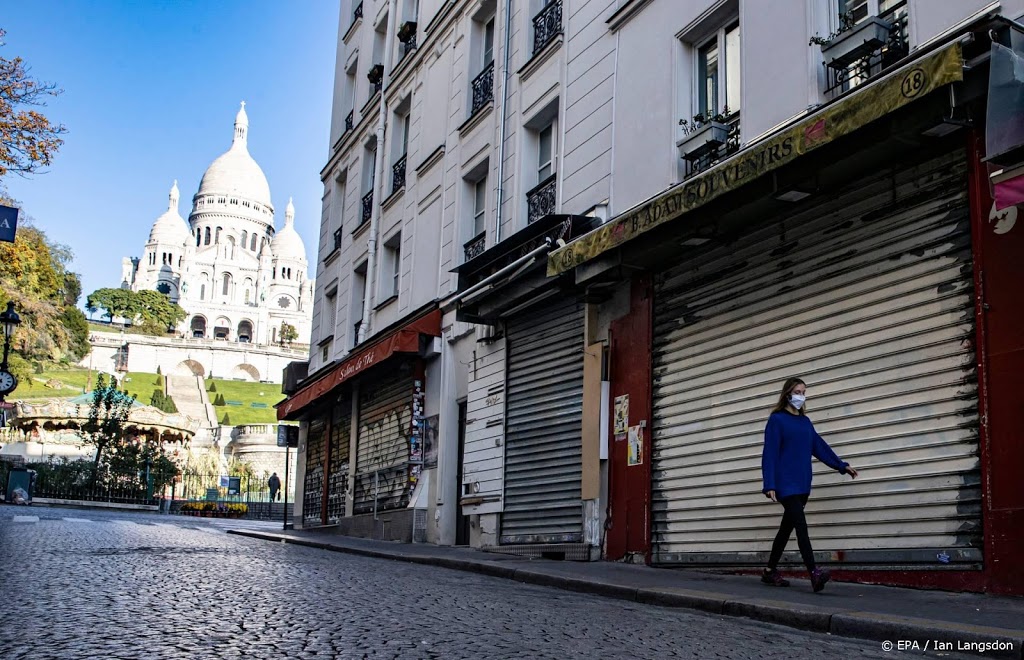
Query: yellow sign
point(846, 116)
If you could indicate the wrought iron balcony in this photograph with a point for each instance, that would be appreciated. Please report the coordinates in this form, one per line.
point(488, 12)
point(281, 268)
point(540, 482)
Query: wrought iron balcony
point(476, 247)
point(337, 240)
point(398, 174)
point(357, 13)
point(541, 200)
point(350, 120)
point(377, 86)
point(862, 58)
point(714, 152)
point(547, 25)
point(483, 88)
point(407, 35)
point(367, 208)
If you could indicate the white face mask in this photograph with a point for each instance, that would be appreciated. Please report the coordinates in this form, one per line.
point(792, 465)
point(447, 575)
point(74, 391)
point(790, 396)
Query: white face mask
point(797, 400)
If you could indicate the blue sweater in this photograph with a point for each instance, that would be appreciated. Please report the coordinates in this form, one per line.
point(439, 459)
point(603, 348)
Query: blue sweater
point(789, 442)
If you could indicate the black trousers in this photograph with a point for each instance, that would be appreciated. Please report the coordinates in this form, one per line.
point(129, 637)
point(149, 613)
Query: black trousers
point(792, 519)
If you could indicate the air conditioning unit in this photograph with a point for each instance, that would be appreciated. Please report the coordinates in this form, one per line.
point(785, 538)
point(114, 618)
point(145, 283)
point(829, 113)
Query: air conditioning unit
point(294, 373)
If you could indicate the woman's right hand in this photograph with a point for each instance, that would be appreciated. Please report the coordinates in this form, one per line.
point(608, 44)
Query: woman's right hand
point(771, 495)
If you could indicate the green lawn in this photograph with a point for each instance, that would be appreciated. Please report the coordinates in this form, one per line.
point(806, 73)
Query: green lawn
point(238, 399)
point(141, 385)
point(116, 328)
point(74, 381)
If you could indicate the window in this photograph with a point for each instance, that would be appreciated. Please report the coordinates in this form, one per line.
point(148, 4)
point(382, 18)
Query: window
point(202, 292)
point(216, 237)
point(488, 45)
point(545, 153)
point(206, 240)
point(227, 284)
point(391, 267)
point(199, 237)
point(718, 73)
point(479, 206)
point(358, 300)
point(330, 314)
point(253, 241)
point(284, 302)
point(245, 239)
point(400, 149)
point(325, 354)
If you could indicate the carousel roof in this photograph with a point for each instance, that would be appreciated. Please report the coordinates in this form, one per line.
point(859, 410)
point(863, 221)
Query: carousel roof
point(56, 414)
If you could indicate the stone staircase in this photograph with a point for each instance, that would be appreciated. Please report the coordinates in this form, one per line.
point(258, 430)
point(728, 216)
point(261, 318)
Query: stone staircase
point(189, 396)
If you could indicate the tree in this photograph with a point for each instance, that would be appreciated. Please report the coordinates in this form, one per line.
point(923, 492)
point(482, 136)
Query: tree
point(35, 276)
point(151, 310)
point(108, 415)
point(28, 140)
point(288, 333)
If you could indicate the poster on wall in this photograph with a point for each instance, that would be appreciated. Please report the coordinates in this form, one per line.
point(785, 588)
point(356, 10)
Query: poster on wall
point(636, 445)
point(430, 425)
point(621, 416)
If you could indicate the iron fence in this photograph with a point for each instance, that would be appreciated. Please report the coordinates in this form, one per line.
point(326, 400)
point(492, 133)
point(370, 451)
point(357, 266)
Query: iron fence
point(250, 490)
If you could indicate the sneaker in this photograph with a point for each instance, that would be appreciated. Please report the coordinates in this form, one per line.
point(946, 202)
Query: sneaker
point(819, 577)
point(772, 577)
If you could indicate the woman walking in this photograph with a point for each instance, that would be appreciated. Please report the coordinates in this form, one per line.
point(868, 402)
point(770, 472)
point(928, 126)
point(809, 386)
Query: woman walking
point(789, 442)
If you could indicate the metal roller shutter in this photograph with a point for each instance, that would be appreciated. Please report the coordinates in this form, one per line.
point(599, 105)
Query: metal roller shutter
point(869, 297)
point(313, 481)
point(544, 421)
point(337, 478)
point(382, 455)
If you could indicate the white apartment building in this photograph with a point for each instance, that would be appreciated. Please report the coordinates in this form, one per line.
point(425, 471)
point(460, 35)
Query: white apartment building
point(553, 297)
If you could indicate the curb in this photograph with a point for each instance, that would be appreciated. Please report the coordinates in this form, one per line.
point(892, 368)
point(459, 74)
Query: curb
point(915, 634)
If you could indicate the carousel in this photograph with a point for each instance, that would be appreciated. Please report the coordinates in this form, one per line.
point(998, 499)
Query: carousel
point(53, 428)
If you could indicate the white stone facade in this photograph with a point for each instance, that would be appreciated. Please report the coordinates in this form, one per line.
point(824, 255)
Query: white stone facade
point(473, 132)
point(238, 278)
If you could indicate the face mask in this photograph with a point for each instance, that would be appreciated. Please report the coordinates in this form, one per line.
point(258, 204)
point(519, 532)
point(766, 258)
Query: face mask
point(797, 400)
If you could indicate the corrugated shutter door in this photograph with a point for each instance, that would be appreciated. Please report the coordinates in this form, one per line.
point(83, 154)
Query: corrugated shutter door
point(544, 422)
point(313, 481)
point(341, 431)
point(869, 297)
point(382, 456)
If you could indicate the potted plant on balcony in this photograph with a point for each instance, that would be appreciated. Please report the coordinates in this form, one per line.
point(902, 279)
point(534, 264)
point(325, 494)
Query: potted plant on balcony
point(706, 132)
point(407, 31)
point(852, 41)
point(376, 74)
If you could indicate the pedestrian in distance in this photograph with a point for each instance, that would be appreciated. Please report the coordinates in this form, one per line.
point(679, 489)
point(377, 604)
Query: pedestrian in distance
point(789, 442)
point(275, 487)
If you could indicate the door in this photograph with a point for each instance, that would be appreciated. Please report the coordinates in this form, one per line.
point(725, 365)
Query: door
point(544, 425)
point(868, 295)
point(461, 521)
point(629, 480)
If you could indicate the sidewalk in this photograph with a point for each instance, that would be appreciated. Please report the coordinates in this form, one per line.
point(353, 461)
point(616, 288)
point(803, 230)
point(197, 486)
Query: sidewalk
point(988, 625)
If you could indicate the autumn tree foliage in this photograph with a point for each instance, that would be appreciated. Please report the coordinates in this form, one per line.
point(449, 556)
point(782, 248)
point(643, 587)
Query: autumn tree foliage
point(35, 276)
point(28, 140)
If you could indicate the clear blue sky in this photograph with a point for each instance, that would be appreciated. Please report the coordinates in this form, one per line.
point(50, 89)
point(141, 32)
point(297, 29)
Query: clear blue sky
point(151, 89)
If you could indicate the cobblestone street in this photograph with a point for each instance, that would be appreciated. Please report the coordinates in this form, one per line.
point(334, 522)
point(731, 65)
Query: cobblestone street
point(88, 584)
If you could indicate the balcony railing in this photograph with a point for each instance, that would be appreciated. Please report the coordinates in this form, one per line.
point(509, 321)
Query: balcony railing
point(398, 174)
point(367, 208)
point(714, 154)
point(547, 25)
point(483, 88)
point(337, 240)
point(350, 120)
point(377, 86)
point(541, 200)
point(841, 76)
point(476, 247)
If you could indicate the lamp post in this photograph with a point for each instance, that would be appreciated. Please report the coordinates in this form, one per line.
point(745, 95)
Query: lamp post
point(8, 382)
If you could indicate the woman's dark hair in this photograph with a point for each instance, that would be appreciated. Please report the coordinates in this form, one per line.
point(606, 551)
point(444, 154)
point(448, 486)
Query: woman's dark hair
point(787, 389)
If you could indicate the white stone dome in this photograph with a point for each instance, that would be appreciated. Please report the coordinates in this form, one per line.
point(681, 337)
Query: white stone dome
point(235, 173)
point(287, 244)
point(170, 227)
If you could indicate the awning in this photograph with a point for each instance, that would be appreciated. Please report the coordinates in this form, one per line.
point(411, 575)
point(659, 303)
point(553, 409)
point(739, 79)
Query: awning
point(404, 340)
point(912, 81)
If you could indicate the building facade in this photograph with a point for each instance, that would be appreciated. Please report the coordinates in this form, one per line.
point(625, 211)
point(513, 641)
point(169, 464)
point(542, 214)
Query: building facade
point(238, 277)
point(570, 250)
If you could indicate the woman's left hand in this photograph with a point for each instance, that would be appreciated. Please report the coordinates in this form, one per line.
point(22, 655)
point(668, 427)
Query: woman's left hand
point(850, 470)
